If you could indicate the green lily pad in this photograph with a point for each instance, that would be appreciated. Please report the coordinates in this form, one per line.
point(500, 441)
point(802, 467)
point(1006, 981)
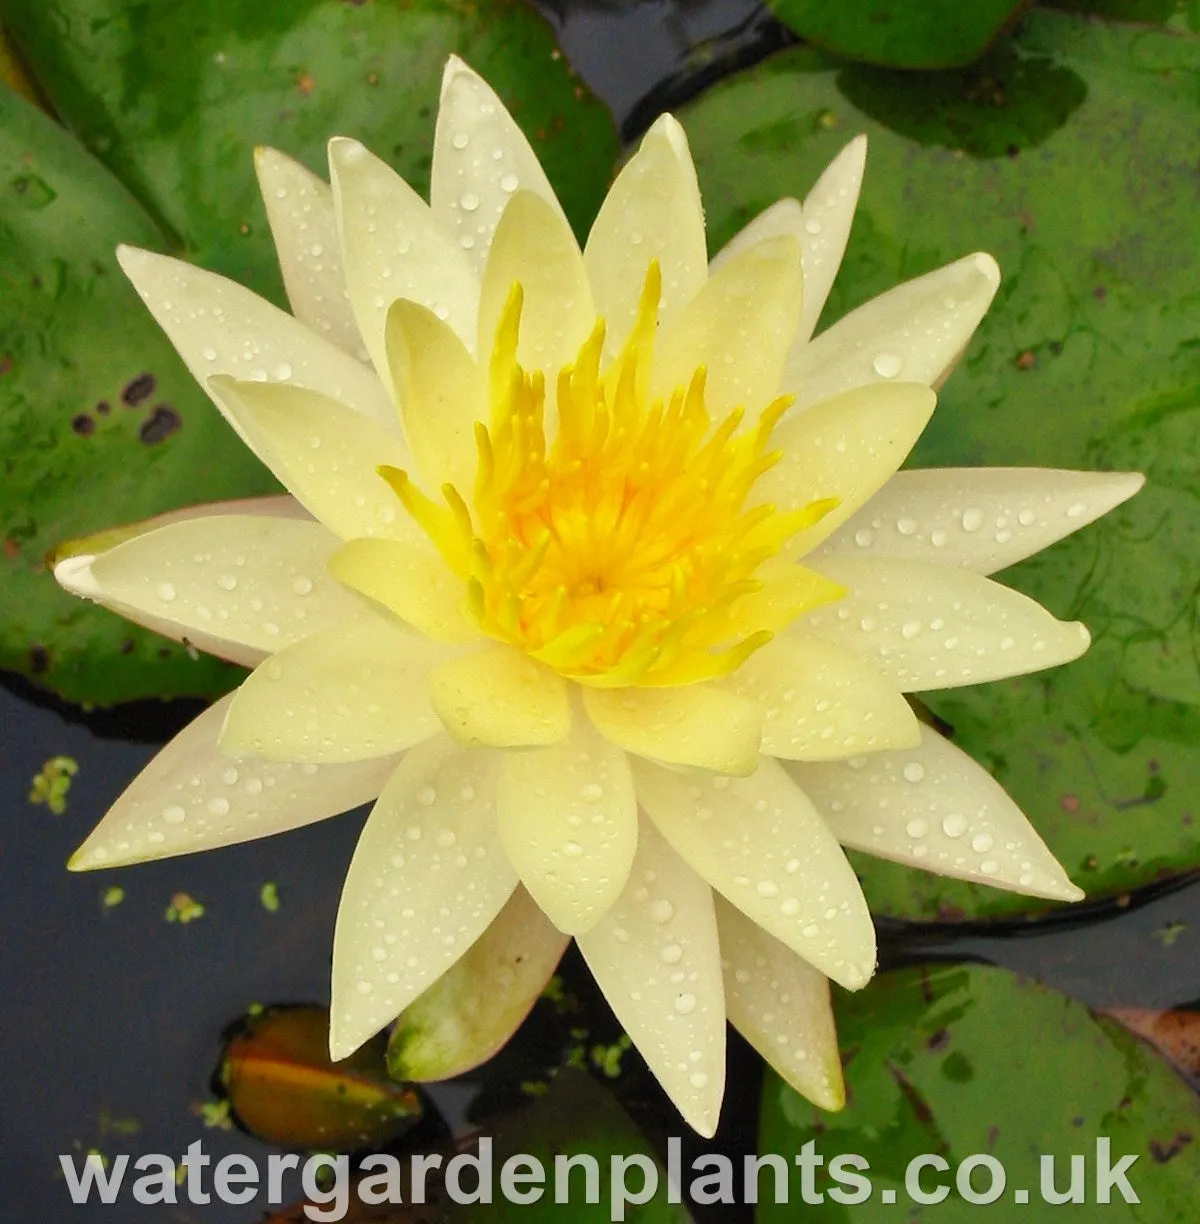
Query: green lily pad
point(1182, 15)
point(900, 34)
point(972, 1065)
point(98, 417)
point(99, 422)
point(174, 98)
point(1089, 358)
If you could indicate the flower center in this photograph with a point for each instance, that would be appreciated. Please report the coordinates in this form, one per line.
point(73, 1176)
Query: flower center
point(623, 549)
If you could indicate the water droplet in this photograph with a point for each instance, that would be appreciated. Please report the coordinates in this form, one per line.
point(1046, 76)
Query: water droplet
point(573, 850)
point(906, 526)
point(468, 201)
point(914, 771)
point(283, 371)
point(671, 954)
point(972, 519)
point(910, 629)
point(509, 183)
point(1026, 518)
point(446, 838)
point(864, 538)
point(981, 843)
point(887, 365)
point(812, 226)
point(173, 814)
point(229, 776)
point(698, 1079)
point(460, 140)
point(363, 987)
point(685, 1004)
point(593, 792)
point(166, 591)
point(209, 353)
point(954, 825)
point(989, 867)
point(662, 910)
point(917, 828)
point(767, 888)
point(218, 806)
point(1075, 509)
point(426, 796)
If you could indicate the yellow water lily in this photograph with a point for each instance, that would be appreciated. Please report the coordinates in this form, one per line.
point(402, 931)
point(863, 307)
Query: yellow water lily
point(600, 577)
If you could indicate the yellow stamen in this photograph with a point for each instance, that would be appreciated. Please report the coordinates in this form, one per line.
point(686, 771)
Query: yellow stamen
point(626, 550)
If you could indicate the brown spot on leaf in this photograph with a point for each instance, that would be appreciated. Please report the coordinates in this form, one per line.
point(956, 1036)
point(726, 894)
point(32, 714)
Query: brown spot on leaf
point(104, 407)
point(1163, 1152)
point(160, 424)
point(126, 647)
point(1175, 1034)
point(1025, 360)
point(12, 550)
point(940, 1040)
point(305, 84)
point(139, 389)
point(83, 425)
point(39, 659)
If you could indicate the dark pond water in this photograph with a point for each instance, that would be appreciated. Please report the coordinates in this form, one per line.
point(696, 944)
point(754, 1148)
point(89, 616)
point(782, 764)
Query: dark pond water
point(113, 1016)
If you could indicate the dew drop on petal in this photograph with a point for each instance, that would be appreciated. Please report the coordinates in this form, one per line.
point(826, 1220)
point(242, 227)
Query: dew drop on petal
point(887, 365)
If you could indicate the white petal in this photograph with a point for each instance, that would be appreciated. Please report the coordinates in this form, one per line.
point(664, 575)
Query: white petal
point(697, 725)
point(500, 698)
point(472, 1010)
point(780, 1004)
point(392, 248)
point(936, 626)
point(255, 580)
point(326, 455)
point(300, 212)
point(761, 843)
point(74, 574)
point(480, 158)
point(193, 797)
point(569, 825)
point(344, 695)
point(427, 878)
point(651, 212)
point(780, 219)
point(442, 394)
point(934, 807)
point(845, 447)
point(983, 519)
point(828, 214)
point(655, 956)
point(738, 326)
point(915, 331)
point(534, 246)
point(220, 328)
point(820, 702)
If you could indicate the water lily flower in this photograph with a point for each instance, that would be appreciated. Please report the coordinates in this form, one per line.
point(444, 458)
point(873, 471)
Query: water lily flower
point(602, 580)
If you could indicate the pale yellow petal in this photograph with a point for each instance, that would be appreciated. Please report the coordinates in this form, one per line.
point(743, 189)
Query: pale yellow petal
point(916, 332)
point(844, 448)
point(928, 626)
point(781, 1005)
point(480, 159)
point(473, 1009)
point(392, 248)
point(427, 879)
point(697, 725)
point(255, 580)
point(651, 212)
point(820, 702)
point(656, 958)
point(194, 797)
point(500, 698)
point(568, 822)
point(931, 806)
point(414, 583)
point(983, 519)
point(326, 455)
point(300, 212)
point(343, 695)
point(535, 248)
point(221, 328)
point(781, 219)
point(761, 842)
point(441, 391)
point(739, 327)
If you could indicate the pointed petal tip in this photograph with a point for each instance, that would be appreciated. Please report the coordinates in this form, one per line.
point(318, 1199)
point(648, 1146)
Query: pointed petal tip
point(74, 574)
point(79, 861)
point(987, 266)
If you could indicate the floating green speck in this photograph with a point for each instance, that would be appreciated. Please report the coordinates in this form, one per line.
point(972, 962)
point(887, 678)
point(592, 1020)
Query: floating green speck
point(214, 1114)
point(51, 784)
point(269, 896)
point(1170, 932)
point(184, 909)
point(110, 898)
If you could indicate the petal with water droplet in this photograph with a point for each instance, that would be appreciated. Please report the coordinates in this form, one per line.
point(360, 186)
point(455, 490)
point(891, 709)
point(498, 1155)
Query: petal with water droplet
point(258, 581)
point(780, 1004)
point(441, 391)
point(344, 695)
point(500, 698)
point(844, 448)
point(221, 328)
point(300, 212)
point(415, 583)
point(325, 454)
point(761, 842)
point(392, 248)
point(915, 331)
point(652, 211)
point(535, 248)
point(930, 626)
point(655, 956)
point(820, 702)
point(933, 807)
point(983, 519)
point(697, 725)
point(473, 1009)
point(480, 158)
point(568, 823)
point(427, 878)
point(191, 796)
point(738, 327)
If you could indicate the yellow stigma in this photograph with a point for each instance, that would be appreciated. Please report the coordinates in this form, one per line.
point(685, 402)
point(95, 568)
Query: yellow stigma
point(624, 549)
